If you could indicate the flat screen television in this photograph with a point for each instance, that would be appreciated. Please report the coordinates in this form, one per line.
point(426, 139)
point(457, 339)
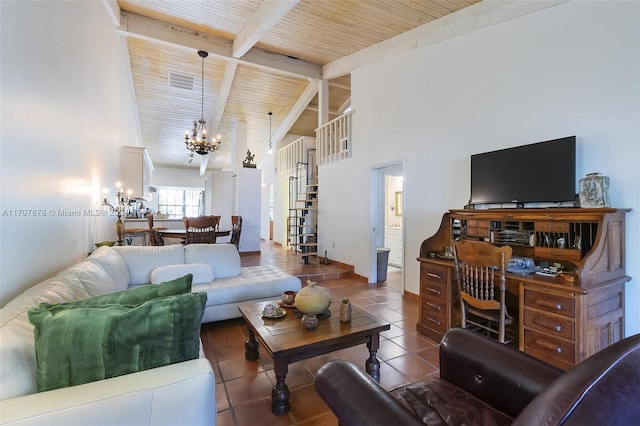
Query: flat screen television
point(535, 173)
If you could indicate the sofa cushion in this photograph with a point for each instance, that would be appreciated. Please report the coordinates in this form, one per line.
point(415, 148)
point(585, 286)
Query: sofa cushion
point(438, 402)
point(81, 344)
point(93, 276)
point(253, 283)
point(202, 273)
point(141, 260)
point(223, 258)
point(17, 352)
point(114, 264)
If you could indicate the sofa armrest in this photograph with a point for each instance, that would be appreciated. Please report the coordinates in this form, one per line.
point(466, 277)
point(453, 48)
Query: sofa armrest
point(182, 393)
point(501, 376)
point(356, 399)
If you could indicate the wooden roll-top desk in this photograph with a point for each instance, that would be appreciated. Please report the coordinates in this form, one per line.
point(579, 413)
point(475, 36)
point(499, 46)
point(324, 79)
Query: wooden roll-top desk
point(561, 319)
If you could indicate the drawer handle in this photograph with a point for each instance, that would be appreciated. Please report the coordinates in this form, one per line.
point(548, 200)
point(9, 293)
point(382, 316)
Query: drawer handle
point(556, 253)
point(547, 345)
point(434, 291)
point(432, 275)
point(548, 304)
point(549, 325)
point(434, 306)
point(435, 321)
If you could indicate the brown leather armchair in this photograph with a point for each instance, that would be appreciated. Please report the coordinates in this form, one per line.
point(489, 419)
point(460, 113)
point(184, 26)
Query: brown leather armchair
point(483, 382)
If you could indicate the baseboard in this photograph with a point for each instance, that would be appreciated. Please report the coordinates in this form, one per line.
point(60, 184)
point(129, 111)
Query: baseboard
point(411, 296)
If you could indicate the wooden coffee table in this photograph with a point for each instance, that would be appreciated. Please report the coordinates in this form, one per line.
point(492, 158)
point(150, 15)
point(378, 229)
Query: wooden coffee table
point(286, 341)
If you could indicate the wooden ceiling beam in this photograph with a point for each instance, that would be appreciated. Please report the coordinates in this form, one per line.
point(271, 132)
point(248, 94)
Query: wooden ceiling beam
point(134, 25)
point(298, 108)
point(268, 14)
point(223, 97)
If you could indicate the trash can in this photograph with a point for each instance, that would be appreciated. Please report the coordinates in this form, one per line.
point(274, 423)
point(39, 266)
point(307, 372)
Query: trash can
point(383, 262)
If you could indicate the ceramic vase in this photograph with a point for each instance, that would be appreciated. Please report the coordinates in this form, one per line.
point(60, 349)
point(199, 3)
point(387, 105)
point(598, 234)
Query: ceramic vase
point(345, 310)
point(313, 299)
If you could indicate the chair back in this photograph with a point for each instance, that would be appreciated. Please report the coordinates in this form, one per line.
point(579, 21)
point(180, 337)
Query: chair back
point(480, 274)
point(201, 229)
point(236, 229)
point(149, 217)
point(155, 237)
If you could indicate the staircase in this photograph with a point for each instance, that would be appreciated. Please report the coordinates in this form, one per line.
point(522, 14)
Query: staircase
point(302, 223)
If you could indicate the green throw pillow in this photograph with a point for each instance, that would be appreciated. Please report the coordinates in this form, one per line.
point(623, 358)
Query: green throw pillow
point(85, 343)
point(134, 296)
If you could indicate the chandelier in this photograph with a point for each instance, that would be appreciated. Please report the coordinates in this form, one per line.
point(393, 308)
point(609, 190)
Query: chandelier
point(198, 142)
point(270, 150)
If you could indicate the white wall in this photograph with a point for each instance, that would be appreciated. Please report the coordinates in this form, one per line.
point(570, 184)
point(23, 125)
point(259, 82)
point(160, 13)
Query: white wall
point(573, 69)
point(249, 201)
point(66, 111)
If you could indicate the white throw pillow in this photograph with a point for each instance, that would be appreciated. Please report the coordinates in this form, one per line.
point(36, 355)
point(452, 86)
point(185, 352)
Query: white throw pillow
point(202, 273)
point(223, 258)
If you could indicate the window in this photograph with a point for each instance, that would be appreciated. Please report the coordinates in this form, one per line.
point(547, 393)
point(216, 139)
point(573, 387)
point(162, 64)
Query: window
point(180, 202)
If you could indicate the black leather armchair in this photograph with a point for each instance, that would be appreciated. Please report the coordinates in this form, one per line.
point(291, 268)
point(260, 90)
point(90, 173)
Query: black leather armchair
point(483, 382)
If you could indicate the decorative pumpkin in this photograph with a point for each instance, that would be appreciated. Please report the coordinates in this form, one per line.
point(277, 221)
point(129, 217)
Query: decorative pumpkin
point(313, 299)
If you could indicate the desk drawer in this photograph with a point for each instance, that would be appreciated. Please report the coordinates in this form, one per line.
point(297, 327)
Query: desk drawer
point(434, 273)
point(552, 226)
point(550, 302)
point(551, 325)
point(433, 291)
point(549, 348)
point(436, 305)
point(434, 320)
point(557, 253)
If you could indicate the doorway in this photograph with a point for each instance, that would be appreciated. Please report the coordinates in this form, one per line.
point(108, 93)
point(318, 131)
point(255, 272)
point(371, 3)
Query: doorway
point(388, 227)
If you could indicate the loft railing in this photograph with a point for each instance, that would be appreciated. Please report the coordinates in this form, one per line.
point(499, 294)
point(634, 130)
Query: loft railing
point(333, 140)
point(288, 157)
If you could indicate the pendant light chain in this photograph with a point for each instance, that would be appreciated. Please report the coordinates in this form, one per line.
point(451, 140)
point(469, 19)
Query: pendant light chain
point(270, 150)
point(198, 143)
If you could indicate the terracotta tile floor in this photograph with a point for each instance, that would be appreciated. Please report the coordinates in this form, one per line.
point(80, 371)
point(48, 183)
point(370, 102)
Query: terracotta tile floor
point(243, 388)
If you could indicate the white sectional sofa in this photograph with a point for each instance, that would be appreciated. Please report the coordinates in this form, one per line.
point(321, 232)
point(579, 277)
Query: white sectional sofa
point(228, 285)
point(181, 393)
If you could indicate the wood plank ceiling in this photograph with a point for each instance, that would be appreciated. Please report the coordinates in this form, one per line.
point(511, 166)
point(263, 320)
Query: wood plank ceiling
point(263, 56)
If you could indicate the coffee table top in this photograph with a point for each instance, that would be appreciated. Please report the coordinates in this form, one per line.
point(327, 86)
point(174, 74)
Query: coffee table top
point(286, 336)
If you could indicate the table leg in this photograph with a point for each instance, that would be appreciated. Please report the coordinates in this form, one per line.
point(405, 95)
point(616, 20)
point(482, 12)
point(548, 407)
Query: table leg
point(280, 393)
point(372, 365)
point(251, 347)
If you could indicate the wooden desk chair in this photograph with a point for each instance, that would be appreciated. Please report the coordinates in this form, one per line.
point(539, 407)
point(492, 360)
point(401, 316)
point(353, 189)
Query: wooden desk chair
point(201, 229)
point(236, 229)
point(480, 274)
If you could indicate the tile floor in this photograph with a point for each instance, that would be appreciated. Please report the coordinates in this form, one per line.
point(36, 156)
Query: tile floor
point(243, 388)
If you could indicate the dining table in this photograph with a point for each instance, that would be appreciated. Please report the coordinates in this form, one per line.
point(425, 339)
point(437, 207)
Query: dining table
point(181, 233)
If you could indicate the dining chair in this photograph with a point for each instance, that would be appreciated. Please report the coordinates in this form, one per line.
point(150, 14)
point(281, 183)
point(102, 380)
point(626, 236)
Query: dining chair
point(236, 229)
point(201, 229)
point(155, 238)
point(480, 275)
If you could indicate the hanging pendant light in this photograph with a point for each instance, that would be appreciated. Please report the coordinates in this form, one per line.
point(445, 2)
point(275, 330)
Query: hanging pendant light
point(198, 142)
point(270, 150)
